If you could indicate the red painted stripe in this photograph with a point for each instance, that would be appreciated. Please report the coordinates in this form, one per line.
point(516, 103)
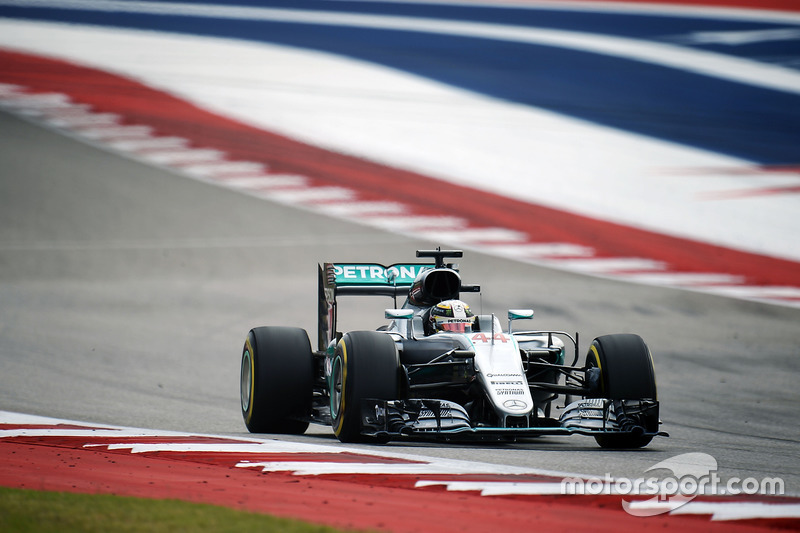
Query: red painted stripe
point(170, 116)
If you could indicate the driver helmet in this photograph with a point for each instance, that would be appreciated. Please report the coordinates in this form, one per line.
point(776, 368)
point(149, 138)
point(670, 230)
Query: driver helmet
point(451, 315)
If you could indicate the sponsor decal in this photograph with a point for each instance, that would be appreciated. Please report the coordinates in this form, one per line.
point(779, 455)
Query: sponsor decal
point(515, 404)
point(509, 392)
point(349, 274)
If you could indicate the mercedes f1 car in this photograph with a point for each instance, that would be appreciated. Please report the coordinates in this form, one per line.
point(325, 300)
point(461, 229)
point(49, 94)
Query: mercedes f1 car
point(437, 370)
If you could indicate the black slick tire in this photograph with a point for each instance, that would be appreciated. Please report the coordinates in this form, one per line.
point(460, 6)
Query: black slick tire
point(365, 365)
point(276, 384)
point(626, 373)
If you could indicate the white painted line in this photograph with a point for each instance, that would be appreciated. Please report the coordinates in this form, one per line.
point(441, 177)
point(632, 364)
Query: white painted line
point(148, 143)
point(411, 222)
point(275, 447)
point(357, 209)
point(37, 101)
point(498, 488)
point(78, 120)
point(745, 291)
point(266, 181)
point(225, 168)
point(475, 235)
point(687, 279)
point(738, 38)
point(116, 132)
point(55, 113)
point(731, 510)
point(88, 433)
point(541, 250)
point(606, 265)
point(306, 468)
point(10, 89)
point(178, 157)
point(309, 195)
point(354, 209)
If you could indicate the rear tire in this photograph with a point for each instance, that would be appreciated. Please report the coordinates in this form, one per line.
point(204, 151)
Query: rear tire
point(365, 365)
point(276, 384)
point(626, 373)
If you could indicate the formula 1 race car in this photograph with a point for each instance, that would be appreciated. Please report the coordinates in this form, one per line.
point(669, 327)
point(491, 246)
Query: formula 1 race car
point(438, 371)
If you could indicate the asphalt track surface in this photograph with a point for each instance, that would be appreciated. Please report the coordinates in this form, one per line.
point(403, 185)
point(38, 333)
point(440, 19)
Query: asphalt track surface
point(126, 292)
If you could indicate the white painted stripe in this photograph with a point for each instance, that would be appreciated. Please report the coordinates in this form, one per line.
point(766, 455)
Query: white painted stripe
point(474, 235)
point(354, 209)
point(266, 181)
point(545, 249)
point(55, 112)
point(178, 157)
point(738, 38)
point(306, 468)
point(77, 120)
point(411, 222)
point(725, 510)
point(309, 195)
point(116, 132)
point(498, 488)
point(745, 291)
point(606, 265)
point(10, 89)
point(225, 168)
point(88, 433)
point(37, 101)
point(688, 279)
point(691, 60)
point(148, 143)
point(220, 447)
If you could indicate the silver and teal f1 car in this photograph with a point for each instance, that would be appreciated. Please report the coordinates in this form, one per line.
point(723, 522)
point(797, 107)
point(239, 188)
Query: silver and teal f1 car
point(437, 371)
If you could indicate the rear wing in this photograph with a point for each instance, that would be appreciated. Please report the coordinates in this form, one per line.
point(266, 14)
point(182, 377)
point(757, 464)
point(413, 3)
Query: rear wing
point(367, 279)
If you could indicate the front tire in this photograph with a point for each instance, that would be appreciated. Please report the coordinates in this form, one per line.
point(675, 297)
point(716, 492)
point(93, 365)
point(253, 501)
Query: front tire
point(365, 365)
point(626, 373)
point(276, 384)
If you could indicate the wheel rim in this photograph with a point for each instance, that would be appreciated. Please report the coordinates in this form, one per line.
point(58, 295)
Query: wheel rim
point(244, 384)
point(336, 387)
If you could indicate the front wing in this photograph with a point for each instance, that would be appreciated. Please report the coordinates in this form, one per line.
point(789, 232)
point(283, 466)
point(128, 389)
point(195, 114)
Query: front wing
point(444, 420)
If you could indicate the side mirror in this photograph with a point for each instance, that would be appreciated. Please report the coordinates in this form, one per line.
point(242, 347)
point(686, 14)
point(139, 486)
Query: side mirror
point(518, 314)
point(399, 314)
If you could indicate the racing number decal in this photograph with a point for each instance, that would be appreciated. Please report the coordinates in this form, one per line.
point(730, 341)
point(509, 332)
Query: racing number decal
point(482, 337)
